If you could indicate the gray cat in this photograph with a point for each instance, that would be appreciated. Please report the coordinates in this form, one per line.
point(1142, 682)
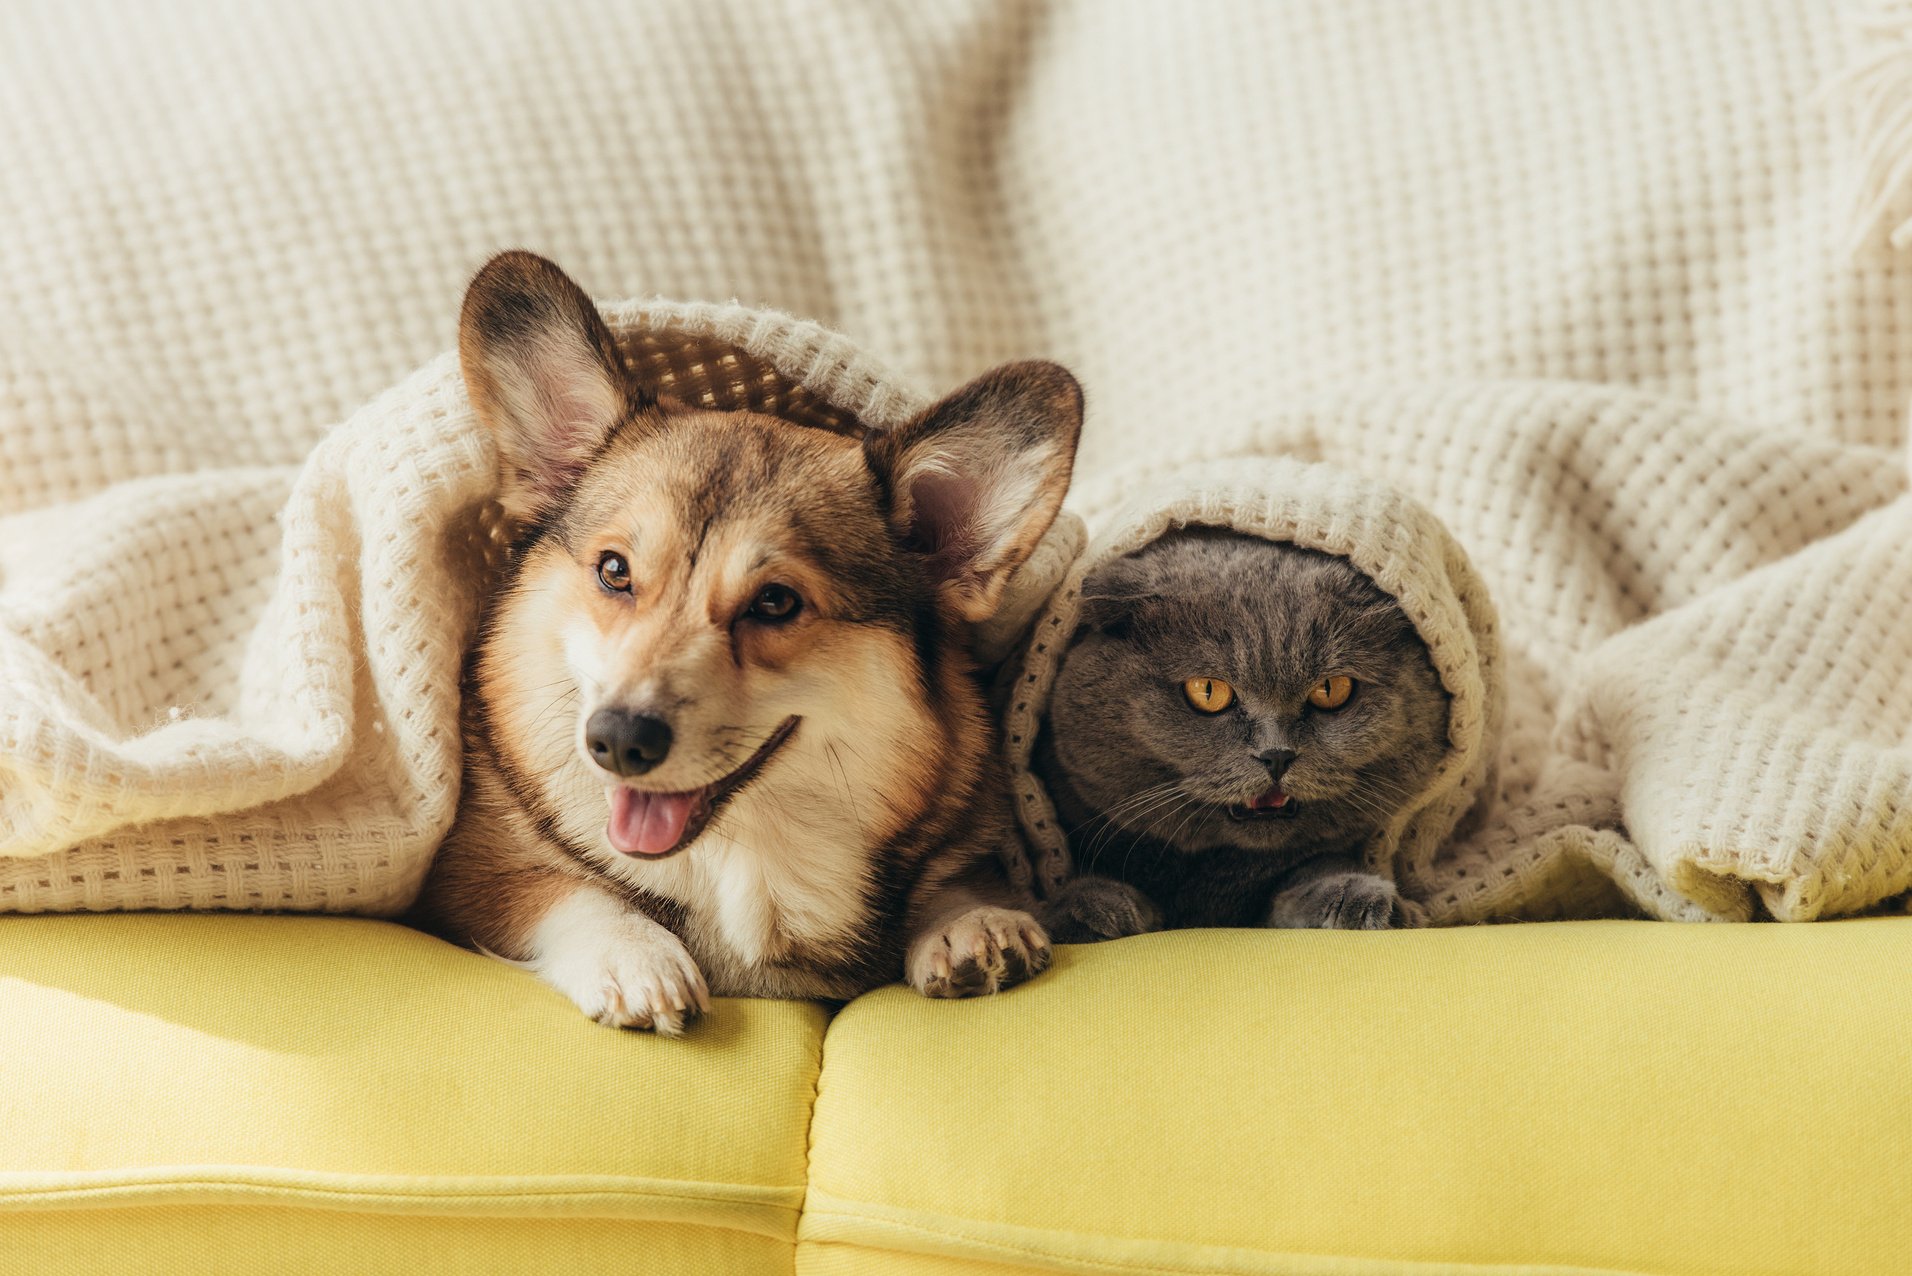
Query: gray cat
point(1233, 720)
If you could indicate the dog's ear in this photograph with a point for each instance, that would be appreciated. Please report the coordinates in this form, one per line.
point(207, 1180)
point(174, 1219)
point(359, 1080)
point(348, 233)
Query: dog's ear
point(975, 481)
point(544, 376)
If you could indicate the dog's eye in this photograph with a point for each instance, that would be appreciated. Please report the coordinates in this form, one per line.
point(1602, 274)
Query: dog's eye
point(1208, 695)
point(614, 573)
point(1331, 693)
point(775, 603)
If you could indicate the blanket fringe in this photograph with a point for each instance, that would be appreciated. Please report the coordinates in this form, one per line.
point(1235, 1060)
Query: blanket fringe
point(1874, 98)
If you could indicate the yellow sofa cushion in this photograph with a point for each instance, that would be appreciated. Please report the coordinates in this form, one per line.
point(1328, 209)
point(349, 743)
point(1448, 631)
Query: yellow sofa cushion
point(1619, 1097)
point(294, 1094)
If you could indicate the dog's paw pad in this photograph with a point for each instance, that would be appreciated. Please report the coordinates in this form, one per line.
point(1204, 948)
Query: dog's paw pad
point(984, 950)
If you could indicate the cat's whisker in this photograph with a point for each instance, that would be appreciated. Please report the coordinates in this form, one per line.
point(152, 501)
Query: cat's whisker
point(1128, 852)
point(1138, 796)
point(1153, 791)
point(1192, 808)
point(1160, 812)
point(1140, 814)
point(1128, 806)
point(1391, 789)
point(1139, 809)
point(1359, 801)
point(1176, 798)
point(1150, 819)
point(1378, 807)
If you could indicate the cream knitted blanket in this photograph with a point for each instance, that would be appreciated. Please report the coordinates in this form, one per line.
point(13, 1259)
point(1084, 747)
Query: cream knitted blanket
point(1708, 636)
point(1581, 278)
point(239, 688)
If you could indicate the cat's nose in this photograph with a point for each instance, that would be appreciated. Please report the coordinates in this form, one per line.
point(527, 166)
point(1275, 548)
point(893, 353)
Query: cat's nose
point(1277, 761)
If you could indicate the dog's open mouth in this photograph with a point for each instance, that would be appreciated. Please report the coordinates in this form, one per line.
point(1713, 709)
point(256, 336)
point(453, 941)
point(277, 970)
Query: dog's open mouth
point(654, 825)
point(1271, 805)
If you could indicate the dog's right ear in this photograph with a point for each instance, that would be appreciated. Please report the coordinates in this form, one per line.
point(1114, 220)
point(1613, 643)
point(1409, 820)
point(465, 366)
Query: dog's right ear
point(975, 481)
point(544, 376)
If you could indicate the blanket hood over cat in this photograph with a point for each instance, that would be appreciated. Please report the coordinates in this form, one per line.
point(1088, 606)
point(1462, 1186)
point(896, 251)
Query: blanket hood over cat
point(1394, 541)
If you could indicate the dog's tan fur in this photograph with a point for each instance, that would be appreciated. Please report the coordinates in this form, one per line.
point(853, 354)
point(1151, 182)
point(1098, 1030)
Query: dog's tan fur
point(867, 843)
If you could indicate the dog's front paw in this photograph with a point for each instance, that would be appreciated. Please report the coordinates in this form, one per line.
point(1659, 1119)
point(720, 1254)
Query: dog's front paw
point(650, 984)
point(1090, 909)
point(981, 951)
point(621, 968)
point(1340, 901)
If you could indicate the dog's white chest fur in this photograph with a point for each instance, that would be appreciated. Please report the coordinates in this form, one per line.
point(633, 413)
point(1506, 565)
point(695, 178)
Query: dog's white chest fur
point(765, 904)
point(786, 866)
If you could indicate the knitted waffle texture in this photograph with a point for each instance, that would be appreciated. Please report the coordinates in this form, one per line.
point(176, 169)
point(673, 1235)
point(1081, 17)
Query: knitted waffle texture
point(1609, 289)
point(239, 688)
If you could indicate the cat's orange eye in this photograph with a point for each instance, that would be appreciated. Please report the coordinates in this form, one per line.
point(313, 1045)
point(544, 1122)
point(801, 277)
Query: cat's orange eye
point(1331, 693)
point(1208, 695)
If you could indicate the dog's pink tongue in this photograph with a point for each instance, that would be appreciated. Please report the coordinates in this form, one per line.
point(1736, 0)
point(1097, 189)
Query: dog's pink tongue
point(647, 823)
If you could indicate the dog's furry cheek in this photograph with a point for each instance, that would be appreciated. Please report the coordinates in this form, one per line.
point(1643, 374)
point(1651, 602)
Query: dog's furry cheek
point(863, 682)
point(584, 655)
point(867, 724)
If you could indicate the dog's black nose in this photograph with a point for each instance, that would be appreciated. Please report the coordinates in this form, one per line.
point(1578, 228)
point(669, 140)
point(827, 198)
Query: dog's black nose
point(1277, 761)
point(626, 743)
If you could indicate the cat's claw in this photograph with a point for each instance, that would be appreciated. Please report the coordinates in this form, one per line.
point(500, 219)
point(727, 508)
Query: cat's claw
point(1341, 901)
point(1088, 910)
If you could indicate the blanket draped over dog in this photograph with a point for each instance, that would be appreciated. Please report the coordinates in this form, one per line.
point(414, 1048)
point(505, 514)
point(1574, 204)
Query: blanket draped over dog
point(239, 688)
point(1605, 288)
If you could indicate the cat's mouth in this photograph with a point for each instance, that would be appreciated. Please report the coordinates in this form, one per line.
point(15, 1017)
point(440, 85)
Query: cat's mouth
point(1271, 805)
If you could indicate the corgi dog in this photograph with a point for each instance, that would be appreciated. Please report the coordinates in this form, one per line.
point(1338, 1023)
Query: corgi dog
point(723, 734)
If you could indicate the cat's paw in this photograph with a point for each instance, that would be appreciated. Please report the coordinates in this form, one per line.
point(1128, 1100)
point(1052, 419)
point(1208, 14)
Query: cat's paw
point(621, 968)
point(1340, 901)
point(1090, 909)
point(981, 951)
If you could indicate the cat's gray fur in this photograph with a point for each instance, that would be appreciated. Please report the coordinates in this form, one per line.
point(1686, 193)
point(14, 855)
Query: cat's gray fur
point(1144, 783)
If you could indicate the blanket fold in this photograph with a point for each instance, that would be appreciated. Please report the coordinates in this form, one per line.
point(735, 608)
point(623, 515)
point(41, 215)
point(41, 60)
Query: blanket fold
point(238, 688)
point(1707, 632)
point(1579, 281)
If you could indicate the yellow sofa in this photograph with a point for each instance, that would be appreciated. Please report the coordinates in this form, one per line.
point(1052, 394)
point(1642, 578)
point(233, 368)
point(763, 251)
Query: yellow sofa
point(275, 1094)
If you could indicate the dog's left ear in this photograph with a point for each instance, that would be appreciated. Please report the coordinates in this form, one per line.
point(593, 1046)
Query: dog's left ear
point(975, 481)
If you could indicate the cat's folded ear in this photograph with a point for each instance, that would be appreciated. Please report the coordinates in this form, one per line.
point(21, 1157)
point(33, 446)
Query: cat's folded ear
point(1107, 613)
point(976, 480)
point(544, 375)
point(1110, 597)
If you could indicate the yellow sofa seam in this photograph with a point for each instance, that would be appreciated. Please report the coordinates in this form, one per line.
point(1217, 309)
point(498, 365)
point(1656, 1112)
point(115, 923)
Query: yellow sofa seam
point(833, 1220)
point(766, 1211)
